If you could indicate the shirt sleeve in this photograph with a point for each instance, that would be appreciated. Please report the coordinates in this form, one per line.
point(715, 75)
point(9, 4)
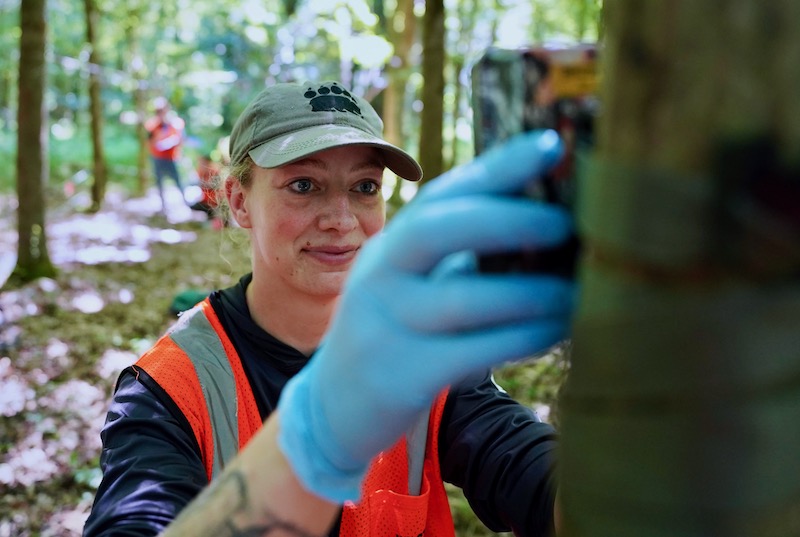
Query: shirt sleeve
point(150, 460)
point(501, 455)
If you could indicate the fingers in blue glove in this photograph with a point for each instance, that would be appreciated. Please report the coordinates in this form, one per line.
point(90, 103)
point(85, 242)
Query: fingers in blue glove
point(506, 168)
point(475, 302)
point(479, 223)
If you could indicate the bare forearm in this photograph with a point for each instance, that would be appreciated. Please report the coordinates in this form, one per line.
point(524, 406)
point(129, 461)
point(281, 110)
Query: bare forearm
point(257, 495)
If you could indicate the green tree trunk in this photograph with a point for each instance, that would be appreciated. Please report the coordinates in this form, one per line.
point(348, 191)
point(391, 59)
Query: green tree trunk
point(33, 260)
point(468, 13)
point(433, 58)
point(96, 104)
point(401, 30)
point(7, 40)
point(133, 23)
point(586, 14)
point(679, 417)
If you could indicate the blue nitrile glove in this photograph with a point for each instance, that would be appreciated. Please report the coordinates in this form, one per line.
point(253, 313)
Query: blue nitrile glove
point(406, 327)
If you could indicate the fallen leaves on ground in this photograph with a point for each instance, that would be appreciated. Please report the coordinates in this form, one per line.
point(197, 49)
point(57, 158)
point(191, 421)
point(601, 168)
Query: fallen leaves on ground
point(63, 342)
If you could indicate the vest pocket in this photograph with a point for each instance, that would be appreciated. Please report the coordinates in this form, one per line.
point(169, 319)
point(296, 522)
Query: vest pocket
point(399, 515)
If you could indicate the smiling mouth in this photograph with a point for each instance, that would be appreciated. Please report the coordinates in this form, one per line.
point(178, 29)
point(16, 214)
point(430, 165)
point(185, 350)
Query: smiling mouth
point(331, 255)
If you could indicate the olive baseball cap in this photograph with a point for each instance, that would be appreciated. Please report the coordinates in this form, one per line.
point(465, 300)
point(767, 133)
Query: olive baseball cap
point(287, 122)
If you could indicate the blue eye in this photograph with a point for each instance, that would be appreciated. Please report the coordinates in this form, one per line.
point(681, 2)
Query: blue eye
point(302, 185)
point(368, 187)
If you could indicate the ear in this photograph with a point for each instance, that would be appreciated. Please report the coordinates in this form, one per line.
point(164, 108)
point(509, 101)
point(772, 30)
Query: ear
point(237, 195)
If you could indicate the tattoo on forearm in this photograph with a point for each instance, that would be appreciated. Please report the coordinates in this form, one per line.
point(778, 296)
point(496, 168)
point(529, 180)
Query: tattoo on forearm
point(230, 497)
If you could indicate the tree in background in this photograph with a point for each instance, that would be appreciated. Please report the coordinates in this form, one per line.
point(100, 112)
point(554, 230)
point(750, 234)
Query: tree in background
point(586, 17)
point(400, 28)
point(135, 11)
point(8, 40)
point(433, 60)
point(96, 107)
point(680, 411)
point(33, 260)
point(458, 65)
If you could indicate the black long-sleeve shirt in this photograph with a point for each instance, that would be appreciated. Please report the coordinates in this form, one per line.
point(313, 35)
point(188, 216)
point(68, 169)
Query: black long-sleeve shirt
point(492, 447)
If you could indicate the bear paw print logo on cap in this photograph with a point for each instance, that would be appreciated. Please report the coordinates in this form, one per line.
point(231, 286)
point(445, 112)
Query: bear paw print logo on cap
point(332, 98)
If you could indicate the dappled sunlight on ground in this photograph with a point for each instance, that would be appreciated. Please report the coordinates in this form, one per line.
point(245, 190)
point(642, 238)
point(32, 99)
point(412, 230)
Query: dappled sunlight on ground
point(72, 414)
point(64, 341)
point(117, 233)
point(122, 232)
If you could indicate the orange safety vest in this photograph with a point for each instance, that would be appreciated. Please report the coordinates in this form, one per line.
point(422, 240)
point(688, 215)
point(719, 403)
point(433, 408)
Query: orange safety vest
point(197, 365)
point(165, 137)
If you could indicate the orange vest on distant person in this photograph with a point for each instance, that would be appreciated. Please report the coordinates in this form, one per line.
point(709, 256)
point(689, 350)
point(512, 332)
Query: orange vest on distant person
point(197, 365)
point(165, 137)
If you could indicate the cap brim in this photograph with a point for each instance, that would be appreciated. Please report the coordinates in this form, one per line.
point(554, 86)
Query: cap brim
point(300, 144)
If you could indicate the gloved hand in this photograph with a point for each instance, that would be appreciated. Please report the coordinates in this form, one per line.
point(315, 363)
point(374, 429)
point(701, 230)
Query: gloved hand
point(409, 324)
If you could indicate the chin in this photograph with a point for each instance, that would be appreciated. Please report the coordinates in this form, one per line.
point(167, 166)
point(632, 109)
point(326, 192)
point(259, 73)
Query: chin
point(327, 286)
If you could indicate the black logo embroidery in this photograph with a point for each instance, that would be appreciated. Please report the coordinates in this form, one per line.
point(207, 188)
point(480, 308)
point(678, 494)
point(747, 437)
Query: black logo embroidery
point(331, 99)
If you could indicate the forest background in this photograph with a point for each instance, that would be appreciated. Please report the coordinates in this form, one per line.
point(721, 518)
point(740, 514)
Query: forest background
point(115, 265)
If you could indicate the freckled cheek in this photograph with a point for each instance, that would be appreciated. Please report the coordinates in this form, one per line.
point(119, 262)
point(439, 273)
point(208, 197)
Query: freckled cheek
point(279, 239)
point(290, 229)
point(372, 221)
point(373, 227)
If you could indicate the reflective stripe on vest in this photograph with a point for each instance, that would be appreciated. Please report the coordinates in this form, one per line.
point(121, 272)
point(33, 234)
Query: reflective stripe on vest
point(196, 364)
point(201, 343)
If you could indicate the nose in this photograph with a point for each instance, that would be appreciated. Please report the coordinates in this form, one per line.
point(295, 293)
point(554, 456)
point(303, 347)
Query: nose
point(338, 213)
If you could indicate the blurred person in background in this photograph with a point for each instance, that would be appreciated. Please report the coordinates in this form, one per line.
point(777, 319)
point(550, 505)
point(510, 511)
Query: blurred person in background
point(165, 135)
point(208, 175)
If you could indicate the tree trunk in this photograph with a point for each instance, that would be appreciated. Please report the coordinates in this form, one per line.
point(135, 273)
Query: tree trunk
point(100, 174)
point(143, 158)
point(33, 260)
point(468, 13)
point(400, 28)
point(457, 67)
point(7, 22)
point(680, 411)
point(395, 93)
point(586, 14)
point(432, 118)
point(137, 66)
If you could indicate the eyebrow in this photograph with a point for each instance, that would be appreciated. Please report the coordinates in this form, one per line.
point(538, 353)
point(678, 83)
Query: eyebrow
point(371, 164)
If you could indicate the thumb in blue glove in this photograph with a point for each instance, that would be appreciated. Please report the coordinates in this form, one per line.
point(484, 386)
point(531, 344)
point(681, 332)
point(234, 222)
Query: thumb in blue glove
point(406, 327)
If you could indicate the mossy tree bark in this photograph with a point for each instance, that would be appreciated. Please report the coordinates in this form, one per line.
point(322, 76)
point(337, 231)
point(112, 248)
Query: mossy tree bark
point(136, 14)
point(680, 413)
point(432, 118)
point(401, 25)
point(96, 108)
point(33, 260)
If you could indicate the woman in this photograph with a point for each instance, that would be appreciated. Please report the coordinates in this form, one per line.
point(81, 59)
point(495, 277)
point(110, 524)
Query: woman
point(306, 172)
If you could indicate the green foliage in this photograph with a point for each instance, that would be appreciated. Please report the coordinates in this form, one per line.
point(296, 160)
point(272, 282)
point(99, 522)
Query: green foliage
point(8, 154)
point(464, 520)
point(537, 383)
point(71, 157)
point(209, 58)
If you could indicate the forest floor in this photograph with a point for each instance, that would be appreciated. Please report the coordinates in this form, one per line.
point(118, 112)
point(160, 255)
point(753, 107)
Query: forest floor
point(64, 340)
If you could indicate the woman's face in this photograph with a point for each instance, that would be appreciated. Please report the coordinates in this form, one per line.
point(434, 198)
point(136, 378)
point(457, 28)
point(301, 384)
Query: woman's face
point(309, 219)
